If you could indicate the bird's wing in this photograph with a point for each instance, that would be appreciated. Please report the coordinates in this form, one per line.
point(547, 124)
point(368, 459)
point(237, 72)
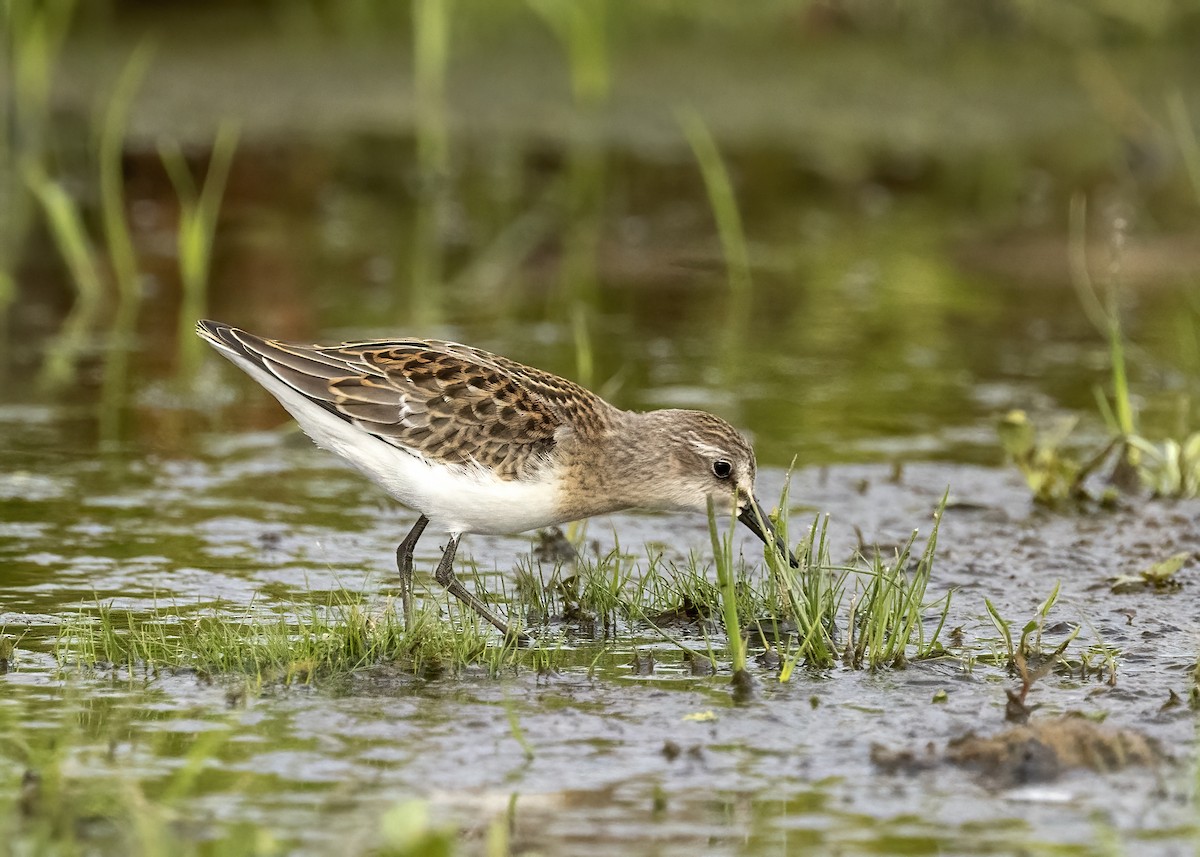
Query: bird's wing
point(443, 401)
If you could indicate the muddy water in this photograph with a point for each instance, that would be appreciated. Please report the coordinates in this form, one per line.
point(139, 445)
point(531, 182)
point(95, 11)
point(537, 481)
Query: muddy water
point(661, 763)
point(893, 315)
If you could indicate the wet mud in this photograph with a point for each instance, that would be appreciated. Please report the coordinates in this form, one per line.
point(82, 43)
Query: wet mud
point(630, 742)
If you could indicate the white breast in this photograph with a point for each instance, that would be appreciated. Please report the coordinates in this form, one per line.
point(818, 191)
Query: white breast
point(456, 499)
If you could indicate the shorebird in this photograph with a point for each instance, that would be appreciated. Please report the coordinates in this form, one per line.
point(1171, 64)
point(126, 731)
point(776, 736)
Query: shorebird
point(477, 443)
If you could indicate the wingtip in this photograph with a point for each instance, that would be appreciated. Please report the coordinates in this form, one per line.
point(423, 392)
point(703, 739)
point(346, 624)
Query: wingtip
point(218, 334)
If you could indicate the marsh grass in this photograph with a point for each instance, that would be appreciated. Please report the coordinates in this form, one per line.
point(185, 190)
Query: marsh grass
point(65, 222)
point(1029, 648)
point(887, 619)
point(1103, 310)
point(110, 150)
point(722, 200)
point(581, 30)
point(87, 261)
point(600, 588)
point(806, 598)
point(1030, 657)
point(1170, 468)
point(735, 607)
point(687, 593)
point(722, 545)
point(1030, 660)
point(1052, 474)
point(431, 32)
point(8, 649)
point(90, 261)
point(301, 644)
point(431, 25)
point(198, 210)
point(48, 810)
point(590, 594)
point(34, 35)
point(122, 256)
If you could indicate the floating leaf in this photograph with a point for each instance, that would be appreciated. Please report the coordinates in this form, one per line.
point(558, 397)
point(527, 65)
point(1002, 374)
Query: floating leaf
point(1160, 575)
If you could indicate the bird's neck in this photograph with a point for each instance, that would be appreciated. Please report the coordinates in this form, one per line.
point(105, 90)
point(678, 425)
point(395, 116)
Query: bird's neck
point(622, 468)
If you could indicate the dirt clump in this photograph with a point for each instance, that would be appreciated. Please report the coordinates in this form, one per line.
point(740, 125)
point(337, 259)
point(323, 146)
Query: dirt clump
point(1030, 753)
point(1044, 749)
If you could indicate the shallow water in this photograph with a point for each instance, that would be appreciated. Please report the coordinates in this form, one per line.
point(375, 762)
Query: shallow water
point(615, 759)
point(904, 295)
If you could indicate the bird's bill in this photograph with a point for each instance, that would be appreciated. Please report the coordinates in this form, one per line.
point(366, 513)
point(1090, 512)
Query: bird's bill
point(756, 518)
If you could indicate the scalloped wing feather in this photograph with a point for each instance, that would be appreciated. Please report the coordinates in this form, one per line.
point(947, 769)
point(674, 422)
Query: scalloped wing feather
point(447, 402)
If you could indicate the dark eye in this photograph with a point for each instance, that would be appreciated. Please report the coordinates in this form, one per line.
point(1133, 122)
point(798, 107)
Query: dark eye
point(722, 469)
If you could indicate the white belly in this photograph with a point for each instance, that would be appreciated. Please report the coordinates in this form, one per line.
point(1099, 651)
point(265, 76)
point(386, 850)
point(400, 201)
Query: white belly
point(455, 499)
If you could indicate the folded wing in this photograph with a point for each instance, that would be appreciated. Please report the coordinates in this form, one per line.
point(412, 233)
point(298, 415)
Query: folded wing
point(444, 401)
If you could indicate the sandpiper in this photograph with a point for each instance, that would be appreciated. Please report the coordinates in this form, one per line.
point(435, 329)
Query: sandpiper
point(477, 443)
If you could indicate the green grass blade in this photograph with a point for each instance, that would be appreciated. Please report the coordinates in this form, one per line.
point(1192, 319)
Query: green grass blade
point(112, 181)
point(723, 557)
point(722, 199)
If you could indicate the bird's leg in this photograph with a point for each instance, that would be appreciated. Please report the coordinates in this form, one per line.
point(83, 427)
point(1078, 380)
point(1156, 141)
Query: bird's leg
point(404, 562)
point(446, 577)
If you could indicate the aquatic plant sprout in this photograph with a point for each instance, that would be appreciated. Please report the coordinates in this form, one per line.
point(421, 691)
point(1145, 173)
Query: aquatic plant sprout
point(111, 149)
point(70, 236)
point(198, 210)
point(1170, 468)
point(889, 615)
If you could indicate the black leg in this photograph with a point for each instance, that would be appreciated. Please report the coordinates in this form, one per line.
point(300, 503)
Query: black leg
point(445, 576)
point(404, 563)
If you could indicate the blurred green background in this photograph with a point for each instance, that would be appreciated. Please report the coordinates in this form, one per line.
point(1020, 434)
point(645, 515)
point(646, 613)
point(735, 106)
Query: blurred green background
point(893, 263)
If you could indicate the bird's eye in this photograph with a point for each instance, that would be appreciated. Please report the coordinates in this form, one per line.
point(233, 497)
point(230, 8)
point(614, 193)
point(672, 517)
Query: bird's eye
point(722, 469)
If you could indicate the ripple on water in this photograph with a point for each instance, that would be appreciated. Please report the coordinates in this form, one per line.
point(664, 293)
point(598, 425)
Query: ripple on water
point(796, 762)
point(32, 487)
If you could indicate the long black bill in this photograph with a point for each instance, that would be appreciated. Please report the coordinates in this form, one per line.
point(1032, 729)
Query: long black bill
point(755, 517)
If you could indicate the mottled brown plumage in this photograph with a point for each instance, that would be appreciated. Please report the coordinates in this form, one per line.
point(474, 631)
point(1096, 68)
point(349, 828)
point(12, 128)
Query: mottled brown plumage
point(449, 402)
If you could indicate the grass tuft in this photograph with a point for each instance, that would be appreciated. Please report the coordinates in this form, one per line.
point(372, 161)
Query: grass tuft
point(809, 596)
point(888, 618)
point(1170, 468)
point(1029, 648)
point(299, 645)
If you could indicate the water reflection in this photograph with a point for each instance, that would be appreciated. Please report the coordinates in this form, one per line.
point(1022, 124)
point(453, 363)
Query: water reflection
point(868, 331)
